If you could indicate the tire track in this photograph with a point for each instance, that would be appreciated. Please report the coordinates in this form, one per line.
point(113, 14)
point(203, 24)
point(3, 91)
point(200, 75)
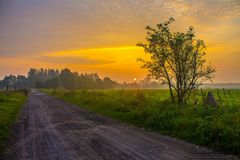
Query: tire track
point(51, 129)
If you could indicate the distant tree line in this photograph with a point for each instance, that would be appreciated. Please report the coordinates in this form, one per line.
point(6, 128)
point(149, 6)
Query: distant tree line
point(66, 79)
point(50, 78)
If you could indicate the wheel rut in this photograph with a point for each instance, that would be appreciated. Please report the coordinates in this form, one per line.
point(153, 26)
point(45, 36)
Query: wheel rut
point(50, 129)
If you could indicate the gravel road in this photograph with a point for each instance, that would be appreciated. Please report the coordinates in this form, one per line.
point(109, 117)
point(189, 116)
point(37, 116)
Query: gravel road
point(50, 129)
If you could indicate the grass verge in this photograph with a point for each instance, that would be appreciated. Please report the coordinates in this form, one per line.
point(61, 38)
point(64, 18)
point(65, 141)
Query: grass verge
point(10, 105)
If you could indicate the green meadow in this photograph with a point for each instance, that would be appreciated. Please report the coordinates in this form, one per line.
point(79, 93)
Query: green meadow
point(10, 105)
point(214, 127)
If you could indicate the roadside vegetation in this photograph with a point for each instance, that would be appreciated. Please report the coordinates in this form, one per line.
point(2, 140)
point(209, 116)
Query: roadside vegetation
point(215, 127)
point(10, 105)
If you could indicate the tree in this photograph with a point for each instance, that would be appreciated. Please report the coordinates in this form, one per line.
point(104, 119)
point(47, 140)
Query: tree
point(9, 81)
point(21, 81)
point(68, 79)
point(50, 78)
point(148, 83)
point(177, 59)
point(32, 77)
point(108, 83)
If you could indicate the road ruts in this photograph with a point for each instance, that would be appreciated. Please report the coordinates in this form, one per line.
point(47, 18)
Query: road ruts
point(50, 129)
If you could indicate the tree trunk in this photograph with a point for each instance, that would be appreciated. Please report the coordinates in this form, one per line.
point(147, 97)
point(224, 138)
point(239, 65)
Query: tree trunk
point(171, 93)
point(180, 98)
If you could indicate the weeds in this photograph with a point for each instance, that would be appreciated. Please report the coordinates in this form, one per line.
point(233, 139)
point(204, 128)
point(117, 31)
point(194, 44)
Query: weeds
point(10, 104)
point(152, 109)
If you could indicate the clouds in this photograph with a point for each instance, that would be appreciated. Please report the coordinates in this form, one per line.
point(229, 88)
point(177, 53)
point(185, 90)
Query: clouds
point(92, 56)
point(70, 60)
point(30, 27)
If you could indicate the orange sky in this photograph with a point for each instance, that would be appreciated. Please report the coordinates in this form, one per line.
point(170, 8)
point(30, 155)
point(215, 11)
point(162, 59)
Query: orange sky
point(101, 35)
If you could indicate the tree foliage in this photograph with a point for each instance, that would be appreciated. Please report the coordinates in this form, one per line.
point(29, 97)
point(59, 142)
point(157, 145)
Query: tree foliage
point(177, 59)
point(50, 78)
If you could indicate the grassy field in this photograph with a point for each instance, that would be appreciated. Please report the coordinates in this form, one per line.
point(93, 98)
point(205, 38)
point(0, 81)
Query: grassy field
point(10, 104)
point(217, 128)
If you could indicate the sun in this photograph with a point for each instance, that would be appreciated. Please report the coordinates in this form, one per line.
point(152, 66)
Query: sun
point(135, 79)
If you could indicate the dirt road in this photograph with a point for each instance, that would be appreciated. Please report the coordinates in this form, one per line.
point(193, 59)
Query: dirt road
point(49, 129)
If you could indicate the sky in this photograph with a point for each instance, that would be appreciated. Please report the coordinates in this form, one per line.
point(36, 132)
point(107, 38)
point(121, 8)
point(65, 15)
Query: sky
point(101, 35)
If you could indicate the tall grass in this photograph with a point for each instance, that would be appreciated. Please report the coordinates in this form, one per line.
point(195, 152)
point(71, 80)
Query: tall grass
point(152, 109)
point(10, 104)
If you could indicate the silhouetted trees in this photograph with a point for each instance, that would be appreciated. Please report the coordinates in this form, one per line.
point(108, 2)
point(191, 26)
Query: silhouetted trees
point(21, 82)
point(66, 79)
point(50, 78)
point(9, 81)
point(37, 78)
point(149, 83)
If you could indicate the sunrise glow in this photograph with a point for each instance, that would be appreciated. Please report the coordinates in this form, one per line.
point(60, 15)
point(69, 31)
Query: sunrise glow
point(101, 37)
